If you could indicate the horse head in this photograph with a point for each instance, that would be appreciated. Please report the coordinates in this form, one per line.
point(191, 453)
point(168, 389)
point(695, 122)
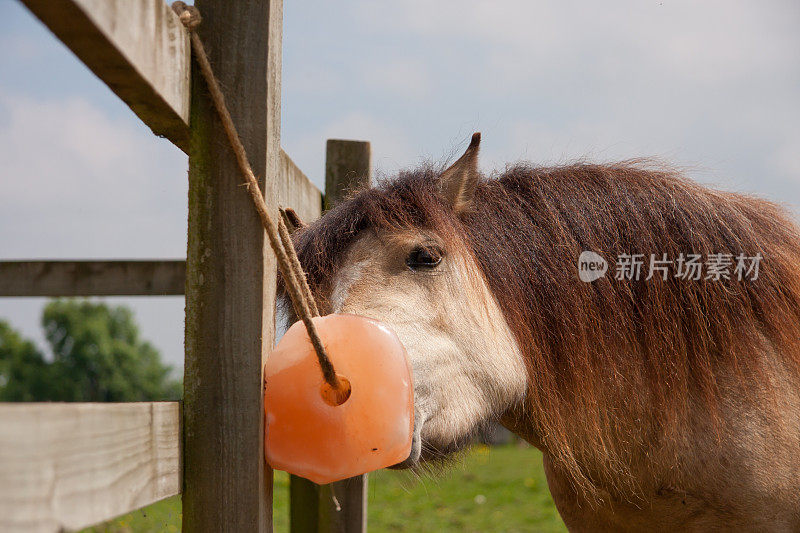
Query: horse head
point(408, 266)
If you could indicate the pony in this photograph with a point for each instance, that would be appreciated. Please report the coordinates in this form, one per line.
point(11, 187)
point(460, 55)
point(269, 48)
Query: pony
point(660, 402)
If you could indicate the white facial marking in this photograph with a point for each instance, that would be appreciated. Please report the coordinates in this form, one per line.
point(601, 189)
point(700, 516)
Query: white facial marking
point(467, 366)
point(346, 277)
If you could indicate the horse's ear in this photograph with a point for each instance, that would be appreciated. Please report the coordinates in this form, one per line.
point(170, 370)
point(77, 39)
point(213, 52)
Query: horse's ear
point(291, 219)
point(457, 184)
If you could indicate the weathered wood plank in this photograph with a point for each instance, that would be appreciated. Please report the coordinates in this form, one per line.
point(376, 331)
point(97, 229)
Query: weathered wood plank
point(138, 277)
point(139, 49)
point(230, 287)
point(92, 278)
point(295, 190)
point(347, 167)
point(313, 508)
point(68, 466)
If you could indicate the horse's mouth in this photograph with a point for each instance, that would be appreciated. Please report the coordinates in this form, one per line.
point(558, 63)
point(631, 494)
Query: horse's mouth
point(432, 452)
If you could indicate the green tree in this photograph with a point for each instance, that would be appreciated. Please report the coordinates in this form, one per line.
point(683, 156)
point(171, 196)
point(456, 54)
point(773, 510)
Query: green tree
point(24, 374)
point(98, 356)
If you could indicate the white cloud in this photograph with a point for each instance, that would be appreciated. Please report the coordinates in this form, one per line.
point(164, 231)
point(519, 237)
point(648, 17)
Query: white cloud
point(78, 183)
point(786, 159)
point(725, 37)
point(391, 149)
point(709, 85)
point(309, 78)
point(402, 78)
point(20, 47)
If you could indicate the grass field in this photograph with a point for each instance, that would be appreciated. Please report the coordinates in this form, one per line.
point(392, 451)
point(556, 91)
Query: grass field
point(489, 489)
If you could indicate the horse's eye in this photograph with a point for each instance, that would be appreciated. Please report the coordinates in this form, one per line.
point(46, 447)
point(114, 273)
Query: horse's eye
point(424, 257)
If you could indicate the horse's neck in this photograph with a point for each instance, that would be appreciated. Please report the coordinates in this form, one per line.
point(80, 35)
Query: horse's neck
point(700, 470)
point(516, 421)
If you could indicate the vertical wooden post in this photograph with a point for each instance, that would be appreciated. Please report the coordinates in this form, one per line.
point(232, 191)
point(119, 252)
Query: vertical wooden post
point(230, 285)
point(314, 507)
point(348, 166)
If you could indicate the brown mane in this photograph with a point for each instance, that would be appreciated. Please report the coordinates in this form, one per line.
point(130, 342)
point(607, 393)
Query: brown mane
point(607, 355)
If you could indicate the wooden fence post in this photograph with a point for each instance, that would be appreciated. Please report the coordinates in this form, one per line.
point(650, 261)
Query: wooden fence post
point(314, 507)
point(348, 166)
point(230, 285)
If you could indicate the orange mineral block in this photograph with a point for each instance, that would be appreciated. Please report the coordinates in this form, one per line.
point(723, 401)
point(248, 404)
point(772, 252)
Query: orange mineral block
point(307, 434)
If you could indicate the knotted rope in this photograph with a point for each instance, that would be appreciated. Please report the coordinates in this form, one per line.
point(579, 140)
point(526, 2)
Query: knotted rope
point(279, 239)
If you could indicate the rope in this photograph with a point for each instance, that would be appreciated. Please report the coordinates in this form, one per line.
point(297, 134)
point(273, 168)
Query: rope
point(279, 239)
point(297, 268)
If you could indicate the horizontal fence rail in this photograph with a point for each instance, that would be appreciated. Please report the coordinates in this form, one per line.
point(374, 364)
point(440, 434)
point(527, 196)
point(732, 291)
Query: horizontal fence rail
point(139, 277)
point(295, 190)
point(92, 278)
point(139, 49)
point(69, 466)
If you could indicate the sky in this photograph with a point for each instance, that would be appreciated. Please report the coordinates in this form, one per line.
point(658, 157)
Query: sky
point(712, 87)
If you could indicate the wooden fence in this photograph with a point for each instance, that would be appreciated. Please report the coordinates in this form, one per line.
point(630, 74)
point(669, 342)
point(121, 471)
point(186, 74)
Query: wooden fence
point(68, 466)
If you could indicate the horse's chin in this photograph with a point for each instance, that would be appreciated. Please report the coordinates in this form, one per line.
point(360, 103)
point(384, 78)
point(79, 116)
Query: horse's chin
point(428, 453)
point(428, 457)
